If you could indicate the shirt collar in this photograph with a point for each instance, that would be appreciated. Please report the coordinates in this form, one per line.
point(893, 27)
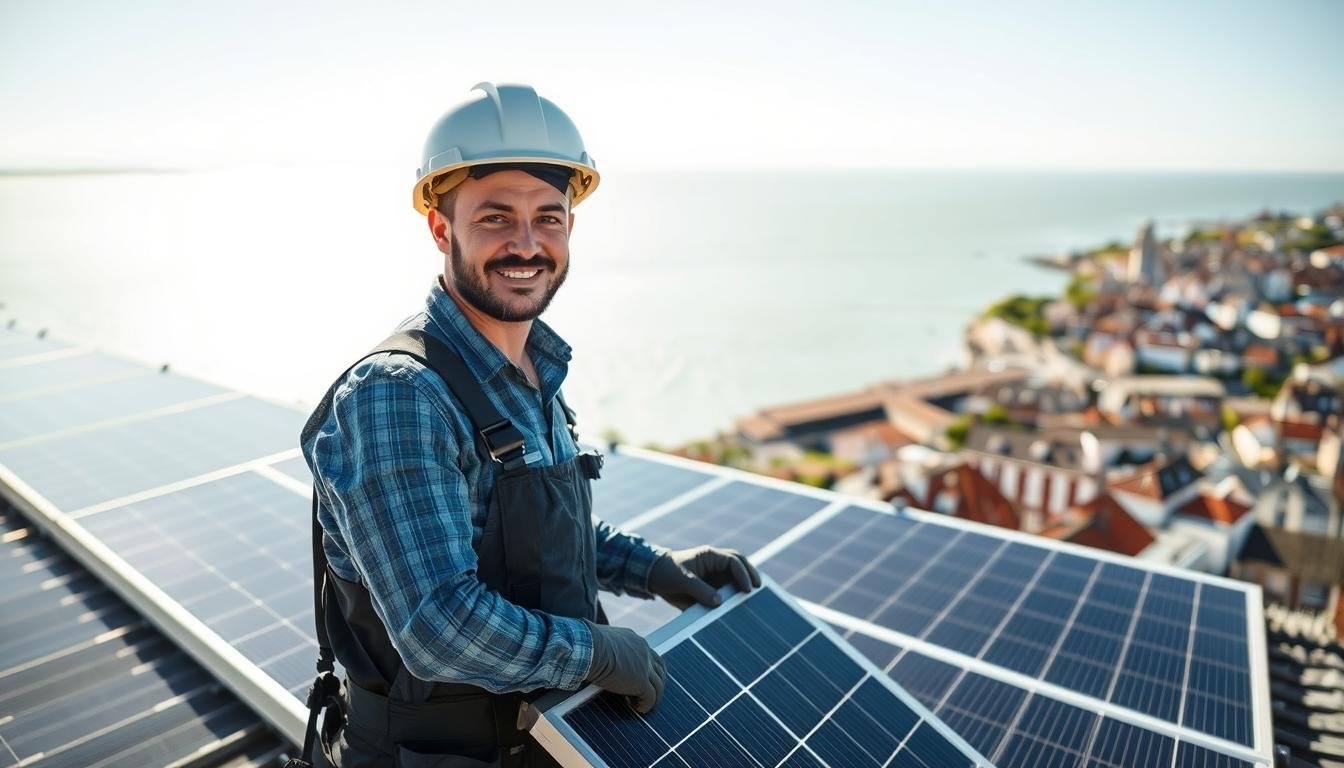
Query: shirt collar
point(482, 357)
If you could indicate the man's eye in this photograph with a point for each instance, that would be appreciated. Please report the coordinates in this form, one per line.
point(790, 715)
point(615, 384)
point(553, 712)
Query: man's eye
point(550, 220)
point(494, 218)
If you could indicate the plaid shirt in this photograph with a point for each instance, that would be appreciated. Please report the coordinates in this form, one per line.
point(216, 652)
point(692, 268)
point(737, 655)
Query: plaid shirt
point(404, 494)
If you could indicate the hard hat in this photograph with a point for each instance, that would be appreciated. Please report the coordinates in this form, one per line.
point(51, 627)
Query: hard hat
point(503, 124)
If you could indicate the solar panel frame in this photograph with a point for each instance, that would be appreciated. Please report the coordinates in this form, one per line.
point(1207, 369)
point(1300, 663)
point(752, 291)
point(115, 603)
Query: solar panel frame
point(547, 717)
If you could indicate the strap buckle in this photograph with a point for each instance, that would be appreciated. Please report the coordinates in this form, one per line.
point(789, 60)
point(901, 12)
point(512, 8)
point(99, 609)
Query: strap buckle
point(505, 444)
point(591, 461)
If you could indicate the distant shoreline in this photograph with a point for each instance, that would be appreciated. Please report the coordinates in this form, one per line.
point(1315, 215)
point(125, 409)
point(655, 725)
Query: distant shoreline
point(34, 172)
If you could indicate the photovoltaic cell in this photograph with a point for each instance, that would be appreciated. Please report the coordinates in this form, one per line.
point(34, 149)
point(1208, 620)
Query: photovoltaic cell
point(763, 685)
point(1193, 756)
point(1119, 745)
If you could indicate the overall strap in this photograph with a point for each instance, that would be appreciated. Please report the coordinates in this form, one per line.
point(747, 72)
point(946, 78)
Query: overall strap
point(503, 441)
point(325, 692)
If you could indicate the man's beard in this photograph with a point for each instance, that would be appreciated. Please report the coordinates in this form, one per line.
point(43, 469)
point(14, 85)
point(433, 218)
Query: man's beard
point(472, 287)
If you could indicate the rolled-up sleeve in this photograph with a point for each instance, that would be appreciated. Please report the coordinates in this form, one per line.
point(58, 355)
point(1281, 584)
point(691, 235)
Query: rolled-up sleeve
point(386, 466)
point(623, 560)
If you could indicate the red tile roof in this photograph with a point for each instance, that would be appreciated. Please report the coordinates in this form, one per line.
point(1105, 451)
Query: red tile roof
point(975, 498)
point(1111, 528)
point(875, 431)
point(1159, 481)
point(1299, 430)
point(1215, 508)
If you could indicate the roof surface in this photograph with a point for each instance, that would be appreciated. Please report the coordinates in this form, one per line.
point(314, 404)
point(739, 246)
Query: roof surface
point(1306, 555)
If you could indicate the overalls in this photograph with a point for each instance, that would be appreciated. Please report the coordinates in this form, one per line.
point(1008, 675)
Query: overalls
point(537, 550)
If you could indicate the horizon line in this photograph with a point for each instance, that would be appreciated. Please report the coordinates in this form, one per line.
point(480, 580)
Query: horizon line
point(123, 169)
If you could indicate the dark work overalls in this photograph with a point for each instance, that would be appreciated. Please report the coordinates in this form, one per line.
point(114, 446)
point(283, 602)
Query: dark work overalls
point(537, 550)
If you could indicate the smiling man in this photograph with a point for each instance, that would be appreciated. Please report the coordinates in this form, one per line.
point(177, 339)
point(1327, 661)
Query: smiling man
point(455, 550)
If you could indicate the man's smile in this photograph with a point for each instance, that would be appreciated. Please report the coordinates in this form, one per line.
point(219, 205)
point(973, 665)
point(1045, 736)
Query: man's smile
point(519, 274)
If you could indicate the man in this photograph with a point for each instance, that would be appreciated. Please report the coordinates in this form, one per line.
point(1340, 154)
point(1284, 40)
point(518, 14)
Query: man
point(451, 498)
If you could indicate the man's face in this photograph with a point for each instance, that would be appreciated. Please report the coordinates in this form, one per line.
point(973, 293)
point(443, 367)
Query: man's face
point(507, 246)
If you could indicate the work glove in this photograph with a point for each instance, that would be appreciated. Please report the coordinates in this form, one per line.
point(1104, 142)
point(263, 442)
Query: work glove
point(684, 577)
point(624, 663)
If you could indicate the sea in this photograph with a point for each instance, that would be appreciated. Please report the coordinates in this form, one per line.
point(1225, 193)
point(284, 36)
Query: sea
point(694, 298)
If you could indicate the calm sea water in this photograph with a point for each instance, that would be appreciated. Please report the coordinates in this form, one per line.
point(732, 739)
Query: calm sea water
point(692, 298)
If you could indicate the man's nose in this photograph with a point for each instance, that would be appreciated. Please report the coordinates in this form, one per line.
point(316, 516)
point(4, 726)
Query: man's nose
point(525, 241)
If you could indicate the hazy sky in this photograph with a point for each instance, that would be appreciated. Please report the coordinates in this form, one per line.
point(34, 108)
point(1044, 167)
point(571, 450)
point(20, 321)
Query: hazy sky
point(1127, 84)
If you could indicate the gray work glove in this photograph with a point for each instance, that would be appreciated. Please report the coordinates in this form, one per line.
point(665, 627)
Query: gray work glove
point(624, 663)
point(684, 577)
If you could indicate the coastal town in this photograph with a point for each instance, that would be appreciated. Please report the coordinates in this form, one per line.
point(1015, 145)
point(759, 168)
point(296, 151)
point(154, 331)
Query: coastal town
point(1181, 403)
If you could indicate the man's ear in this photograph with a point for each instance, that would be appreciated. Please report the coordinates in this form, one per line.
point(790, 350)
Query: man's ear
point(440, 229)
point(571, 223)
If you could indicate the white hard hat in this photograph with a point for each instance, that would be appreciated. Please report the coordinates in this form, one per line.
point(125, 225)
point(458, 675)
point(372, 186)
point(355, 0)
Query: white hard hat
point(501, 124)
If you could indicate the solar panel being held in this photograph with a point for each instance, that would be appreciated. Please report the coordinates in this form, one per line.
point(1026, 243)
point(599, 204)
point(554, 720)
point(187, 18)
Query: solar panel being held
point(756, 682)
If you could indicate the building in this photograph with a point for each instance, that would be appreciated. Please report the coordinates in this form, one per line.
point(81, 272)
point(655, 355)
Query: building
point(1041, 475)
point(1300, 570)
point(919, 410)
point(1154, 493)
point(1190, 402)
point(1145, 262)
point(948, 487)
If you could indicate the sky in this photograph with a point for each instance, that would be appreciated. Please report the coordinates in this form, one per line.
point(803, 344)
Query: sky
point(1074, 84)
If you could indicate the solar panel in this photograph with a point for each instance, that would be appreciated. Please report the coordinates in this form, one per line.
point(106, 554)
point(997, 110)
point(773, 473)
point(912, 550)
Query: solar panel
point(78, 470)
point(1116, 633)
point(78, 370)
point(744, 516)
point(235, 553)
point(756, 682)
point(15, 350)
point(297, 468)
point(630, 486)
point(80, 406)
point(1016, 726)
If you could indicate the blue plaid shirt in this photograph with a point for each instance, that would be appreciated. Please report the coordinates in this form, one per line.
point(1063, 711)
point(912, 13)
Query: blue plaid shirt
point(404, 494)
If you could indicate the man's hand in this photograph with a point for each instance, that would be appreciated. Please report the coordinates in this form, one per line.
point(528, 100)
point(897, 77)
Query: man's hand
point(624, 663)
point(687, 576)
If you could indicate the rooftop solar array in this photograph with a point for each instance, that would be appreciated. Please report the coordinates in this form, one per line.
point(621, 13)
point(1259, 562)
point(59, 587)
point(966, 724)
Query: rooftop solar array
point(756, 682)
point(1056, 632)
point(193, 503)
point(180, 495)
